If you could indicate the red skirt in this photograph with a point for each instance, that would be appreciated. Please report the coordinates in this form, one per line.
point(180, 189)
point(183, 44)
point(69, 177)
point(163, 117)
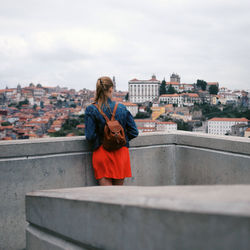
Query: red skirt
point(114, 164)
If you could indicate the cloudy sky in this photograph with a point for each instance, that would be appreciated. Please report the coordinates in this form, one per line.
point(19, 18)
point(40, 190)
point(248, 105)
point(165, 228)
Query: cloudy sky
point(72, 42)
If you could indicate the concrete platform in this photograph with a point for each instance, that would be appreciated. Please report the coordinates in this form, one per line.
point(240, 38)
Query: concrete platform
point(140, 217)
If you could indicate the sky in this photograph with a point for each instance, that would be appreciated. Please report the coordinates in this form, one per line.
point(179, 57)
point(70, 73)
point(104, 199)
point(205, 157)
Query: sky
point(71, 43)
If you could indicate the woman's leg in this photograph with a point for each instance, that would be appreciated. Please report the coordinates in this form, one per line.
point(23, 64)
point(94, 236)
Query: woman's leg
point(105, 181)
point(118, 181)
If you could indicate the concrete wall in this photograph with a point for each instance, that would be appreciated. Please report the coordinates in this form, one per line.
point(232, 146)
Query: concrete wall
point(156, 159)
point(140, 218)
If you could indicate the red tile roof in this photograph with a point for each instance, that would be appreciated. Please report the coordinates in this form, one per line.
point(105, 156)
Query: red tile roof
point(158, 122)
point(229, 119)
point(143, 120)
point(170, 95)
point(129, 104)
point(80, 126)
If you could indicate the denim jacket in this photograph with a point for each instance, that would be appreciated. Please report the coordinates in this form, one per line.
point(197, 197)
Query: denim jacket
point(95, 122)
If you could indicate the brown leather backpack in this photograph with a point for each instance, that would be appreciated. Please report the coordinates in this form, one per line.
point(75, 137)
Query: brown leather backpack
point(114, 136)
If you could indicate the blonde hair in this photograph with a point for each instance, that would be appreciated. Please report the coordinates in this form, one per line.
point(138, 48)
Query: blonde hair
point(103, 84)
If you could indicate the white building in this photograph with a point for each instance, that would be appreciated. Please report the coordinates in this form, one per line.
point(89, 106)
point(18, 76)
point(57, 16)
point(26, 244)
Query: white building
point(145, 125)
point(190, 98)
point(221, 126)
point(180, 99)
point(38, 92)
point(172, 99)
point(163, 126)
point(143, 90)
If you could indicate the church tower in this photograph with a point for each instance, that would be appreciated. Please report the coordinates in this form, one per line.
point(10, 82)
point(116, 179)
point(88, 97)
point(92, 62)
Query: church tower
point(19, 88)
point(175, 78)
point(114, 84)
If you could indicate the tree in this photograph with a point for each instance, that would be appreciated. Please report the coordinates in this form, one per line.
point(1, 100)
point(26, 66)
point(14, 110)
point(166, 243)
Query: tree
point(163, 87)
point(126, 97)
point(6, 123)
point(171, 90)
point(42, 104)
point(201, 84)
point(141, 115)
point(213, 90)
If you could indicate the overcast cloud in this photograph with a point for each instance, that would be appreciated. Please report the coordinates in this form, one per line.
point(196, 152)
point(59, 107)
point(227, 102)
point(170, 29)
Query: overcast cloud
point(72, 42)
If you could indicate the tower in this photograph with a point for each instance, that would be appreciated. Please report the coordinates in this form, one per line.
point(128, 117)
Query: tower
point(114, 84)
point(175, 78)
point(153, 77)
point(19, 88)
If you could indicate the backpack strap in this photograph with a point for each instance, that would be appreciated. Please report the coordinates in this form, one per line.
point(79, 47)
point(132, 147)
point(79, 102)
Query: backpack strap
point(104, 115)
point(113, 115)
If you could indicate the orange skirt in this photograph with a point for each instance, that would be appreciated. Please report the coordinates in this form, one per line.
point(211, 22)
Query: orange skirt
point(114, 164)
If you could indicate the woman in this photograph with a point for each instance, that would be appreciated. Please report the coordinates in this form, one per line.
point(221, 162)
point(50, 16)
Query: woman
point(110, 167)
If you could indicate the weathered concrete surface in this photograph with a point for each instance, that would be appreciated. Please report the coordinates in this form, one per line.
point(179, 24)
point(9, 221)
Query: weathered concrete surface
point(174, 158)
point(216, 142)
point(153, 165)
point(199, 166)
point(38, 239)
point(28, 165)
point(134, 217)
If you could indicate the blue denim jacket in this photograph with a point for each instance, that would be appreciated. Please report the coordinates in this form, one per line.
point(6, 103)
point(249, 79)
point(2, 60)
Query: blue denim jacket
point(95, 122)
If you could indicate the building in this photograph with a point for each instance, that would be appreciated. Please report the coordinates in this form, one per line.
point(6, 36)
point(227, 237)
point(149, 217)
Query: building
point(239, 129)
point(214, 99)
point(163, 126)
point(247, 133)
point(175, 78)
point(222, 126)
point(141, 91)
point(172, 99)
point(175, 82)
point(145, 125)
point(187, 99)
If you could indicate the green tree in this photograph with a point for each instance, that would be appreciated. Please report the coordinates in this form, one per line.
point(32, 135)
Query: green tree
point(213, 90)
point(171, 90)
point(163, 87)
point(126, 97)
point(141, 115)
point(70, 124)
point(201, 84)
point(6, 123)
point(42, 104)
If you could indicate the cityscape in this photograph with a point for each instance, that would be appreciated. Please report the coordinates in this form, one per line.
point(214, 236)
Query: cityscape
point(36, 111)
point(180, 73)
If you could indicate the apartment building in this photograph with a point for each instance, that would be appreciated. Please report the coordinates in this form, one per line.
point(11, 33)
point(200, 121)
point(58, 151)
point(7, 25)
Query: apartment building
point(221, 126)
point(146, 125)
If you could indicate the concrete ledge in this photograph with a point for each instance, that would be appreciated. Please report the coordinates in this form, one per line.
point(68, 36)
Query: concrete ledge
point(169, 158)
point(61, 145)
point(160, 217)
point(38, 239)
point(232, 144)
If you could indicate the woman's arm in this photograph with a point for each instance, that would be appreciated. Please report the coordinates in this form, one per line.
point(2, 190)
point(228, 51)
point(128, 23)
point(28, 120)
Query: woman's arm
point(131, 127)
point(90, 125)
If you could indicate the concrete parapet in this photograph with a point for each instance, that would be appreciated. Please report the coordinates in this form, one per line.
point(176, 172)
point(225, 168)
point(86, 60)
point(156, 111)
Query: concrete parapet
point(140, 217)
point(170, 158)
